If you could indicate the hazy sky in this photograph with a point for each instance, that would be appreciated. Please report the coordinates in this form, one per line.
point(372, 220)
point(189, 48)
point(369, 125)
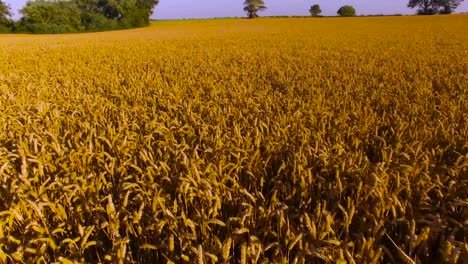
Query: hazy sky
point(171, 9)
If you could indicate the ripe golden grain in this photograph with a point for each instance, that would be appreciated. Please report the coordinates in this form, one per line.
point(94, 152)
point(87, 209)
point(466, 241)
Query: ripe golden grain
point(265, 141)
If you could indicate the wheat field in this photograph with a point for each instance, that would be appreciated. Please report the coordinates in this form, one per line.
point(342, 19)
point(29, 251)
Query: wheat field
point(332, 140)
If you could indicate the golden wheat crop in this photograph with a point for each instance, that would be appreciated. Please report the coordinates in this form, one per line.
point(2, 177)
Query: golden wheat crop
point(237, 141)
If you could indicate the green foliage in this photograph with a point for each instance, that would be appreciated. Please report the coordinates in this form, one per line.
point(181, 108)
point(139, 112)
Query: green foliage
point(94, 22)
point(431, 7)
point(315, 10)
point(346, 10)
point(62, 16)
point(5, 14)
point(4, 29)
point(134, 16)
point(425, 7)
point(42, 17)
point(252, 7)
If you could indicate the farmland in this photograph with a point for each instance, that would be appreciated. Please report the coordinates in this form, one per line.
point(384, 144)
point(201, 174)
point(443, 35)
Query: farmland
point(334, 140)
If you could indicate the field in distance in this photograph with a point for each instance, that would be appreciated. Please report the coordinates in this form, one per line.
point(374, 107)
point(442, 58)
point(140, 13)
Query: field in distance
point(334, 140)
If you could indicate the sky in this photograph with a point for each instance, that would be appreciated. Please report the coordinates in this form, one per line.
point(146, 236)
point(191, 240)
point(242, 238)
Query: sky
point(177, 9)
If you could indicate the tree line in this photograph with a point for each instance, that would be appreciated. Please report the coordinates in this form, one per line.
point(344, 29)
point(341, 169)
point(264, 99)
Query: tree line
point(425, 7)
point(69, 16)
point(432, 7)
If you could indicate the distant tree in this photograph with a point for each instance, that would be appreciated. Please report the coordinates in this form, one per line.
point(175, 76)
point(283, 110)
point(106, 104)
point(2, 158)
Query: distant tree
point(346, 10)
point(432, 7)
point(5, 14)
point(252, 7)
point(425, 7)
point(448, 6)
point(315, 10)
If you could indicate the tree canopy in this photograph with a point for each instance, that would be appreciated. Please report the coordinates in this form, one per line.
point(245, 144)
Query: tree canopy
point(315, 10)
point(50, 17)
point(347, 10)
point(431, 7)
point(5, 15)
point(65, 16)
point(252, 7)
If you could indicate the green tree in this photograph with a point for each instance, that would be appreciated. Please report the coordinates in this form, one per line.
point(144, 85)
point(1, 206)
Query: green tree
point(137, 13)
point(93, 17)
point(5, 14)
point(425, 7)
point(252, 7)
point(60, 16)
point(432, 7)
point(50, 17)
point(120, 13)
point(346, 10)
point(315, 10)
point(448, 6)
